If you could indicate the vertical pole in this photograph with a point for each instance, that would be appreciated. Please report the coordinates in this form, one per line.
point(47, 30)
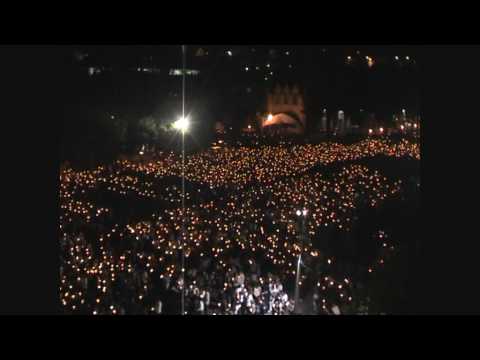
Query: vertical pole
point(298, 277)
point(297, 281)
point(183, 223)
point(183, 79)
point(183, 183)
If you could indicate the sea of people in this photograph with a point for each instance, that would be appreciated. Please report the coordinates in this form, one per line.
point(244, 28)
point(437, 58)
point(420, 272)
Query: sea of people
point(240, 243)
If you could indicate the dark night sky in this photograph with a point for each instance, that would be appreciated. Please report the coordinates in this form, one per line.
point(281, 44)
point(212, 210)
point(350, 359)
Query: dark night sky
point(321, 70)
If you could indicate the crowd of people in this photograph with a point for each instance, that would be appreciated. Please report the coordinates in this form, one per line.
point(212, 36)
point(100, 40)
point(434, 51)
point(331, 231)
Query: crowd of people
point(240, 166)
point(240, 244)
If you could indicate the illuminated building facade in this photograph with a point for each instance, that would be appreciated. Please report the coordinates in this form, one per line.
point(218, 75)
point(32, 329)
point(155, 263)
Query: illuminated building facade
point(285, 111)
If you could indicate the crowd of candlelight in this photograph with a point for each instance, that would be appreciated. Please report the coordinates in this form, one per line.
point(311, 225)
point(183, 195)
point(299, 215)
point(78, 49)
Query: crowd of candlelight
point(241, 243)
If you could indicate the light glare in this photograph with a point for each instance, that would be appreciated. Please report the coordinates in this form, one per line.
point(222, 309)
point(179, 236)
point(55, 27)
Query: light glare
point(182, 124)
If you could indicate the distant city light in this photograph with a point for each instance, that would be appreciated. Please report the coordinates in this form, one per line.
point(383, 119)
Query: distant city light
point(304, 212)
point(402, 127)
point(407, 57)
point(290, 66)
point(229, 53)
point(287, 52)
point(270, 117)
point(299, 213)
point(179, 72)
point(268, 65)
point(381, 129)
point(415, 125)
point(94, 70)
point(370, 61)
point(246, 68)
point(370, 131)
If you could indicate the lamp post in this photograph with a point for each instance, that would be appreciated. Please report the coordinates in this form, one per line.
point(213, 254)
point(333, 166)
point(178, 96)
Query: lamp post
point(182, 125)
point(302, 214)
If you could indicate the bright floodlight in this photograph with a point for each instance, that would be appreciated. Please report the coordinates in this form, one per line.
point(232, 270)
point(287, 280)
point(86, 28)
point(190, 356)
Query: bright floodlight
point(304, 212)
point(299, 213)
point(182, 124)
point(270, 117)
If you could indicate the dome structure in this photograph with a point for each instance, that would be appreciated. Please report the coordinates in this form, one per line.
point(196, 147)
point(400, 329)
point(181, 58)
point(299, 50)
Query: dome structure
point(283, 123)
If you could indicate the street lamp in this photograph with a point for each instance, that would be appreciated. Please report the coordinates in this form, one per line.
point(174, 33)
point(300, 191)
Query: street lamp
point(303, 215)
point(182, 124)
